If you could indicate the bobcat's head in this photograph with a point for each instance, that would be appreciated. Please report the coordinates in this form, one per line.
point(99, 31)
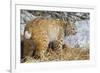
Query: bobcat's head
point(70, 28)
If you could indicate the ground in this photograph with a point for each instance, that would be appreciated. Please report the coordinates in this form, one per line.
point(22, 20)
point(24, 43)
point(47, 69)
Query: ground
point(68, 54)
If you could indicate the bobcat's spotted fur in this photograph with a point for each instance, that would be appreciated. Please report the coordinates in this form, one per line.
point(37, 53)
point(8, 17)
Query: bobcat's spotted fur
point(42, 31)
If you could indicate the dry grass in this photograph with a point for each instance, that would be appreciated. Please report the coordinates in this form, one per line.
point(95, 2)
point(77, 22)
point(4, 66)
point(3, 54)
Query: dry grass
point(67, 54)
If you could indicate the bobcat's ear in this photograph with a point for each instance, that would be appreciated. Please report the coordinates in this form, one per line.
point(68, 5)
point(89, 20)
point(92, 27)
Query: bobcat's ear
point(27, 35)
point(71, 21)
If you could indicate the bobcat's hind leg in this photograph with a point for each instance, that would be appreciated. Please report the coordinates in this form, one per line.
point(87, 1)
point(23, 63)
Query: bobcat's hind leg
point(41, 45)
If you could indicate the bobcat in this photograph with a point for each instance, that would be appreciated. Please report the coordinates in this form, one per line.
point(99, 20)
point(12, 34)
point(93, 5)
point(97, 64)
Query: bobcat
point(42, 31)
